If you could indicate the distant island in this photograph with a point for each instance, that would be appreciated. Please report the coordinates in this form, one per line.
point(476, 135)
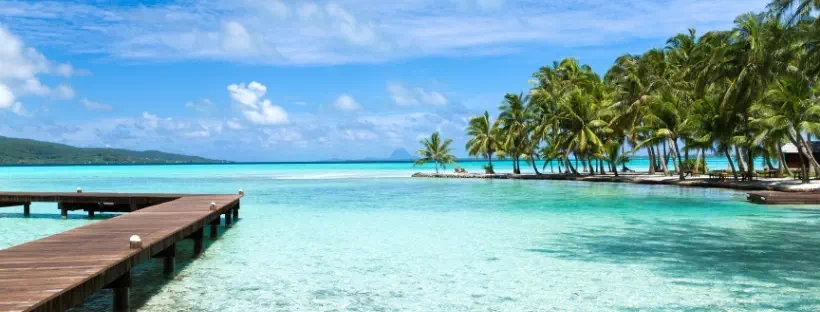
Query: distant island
point(14, 151)
point(399, 154)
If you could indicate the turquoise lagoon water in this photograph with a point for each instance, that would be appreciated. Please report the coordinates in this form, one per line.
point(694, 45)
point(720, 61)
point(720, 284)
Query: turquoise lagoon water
point(365, 237)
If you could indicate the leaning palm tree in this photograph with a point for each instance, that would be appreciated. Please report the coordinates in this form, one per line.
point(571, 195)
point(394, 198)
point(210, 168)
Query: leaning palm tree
point(485, 139)
point(790, 108)
point(435, 151)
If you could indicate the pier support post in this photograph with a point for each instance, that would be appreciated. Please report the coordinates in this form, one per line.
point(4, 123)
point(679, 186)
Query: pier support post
point(236, 212)
point(63, 210)
point(168, 260)
point(228, 219)
point(27, 209)
point(198, 237)
point(91, 213)
point(120, 286)
point(214, 224)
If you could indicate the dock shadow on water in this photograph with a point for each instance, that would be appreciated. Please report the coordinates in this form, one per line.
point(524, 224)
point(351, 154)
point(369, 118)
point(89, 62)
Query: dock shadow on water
point(765, 255)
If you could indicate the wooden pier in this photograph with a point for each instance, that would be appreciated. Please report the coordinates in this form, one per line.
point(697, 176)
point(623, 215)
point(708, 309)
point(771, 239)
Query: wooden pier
point(784, 198)
point(60, 271)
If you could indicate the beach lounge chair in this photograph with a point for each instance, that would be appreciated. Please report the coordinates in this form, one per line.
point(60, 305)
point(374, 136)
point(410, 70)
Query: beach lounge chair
point(717, 175)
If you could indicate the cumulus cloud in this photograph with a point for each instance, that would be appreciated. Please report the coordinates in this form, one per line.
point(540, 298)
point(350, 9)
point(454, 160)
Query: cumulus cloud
point(345, 102)
point(403, 96)
point(20, 67)
point(95, 106)
point(256, 109)
point(6, 96)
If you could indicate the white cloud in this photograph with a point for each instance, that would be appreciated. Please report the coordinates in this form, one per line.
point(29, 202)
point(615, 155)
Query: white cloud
point(308, 10)
point(345, 102)
point(151, 120)
point(64, 92)
point(352, 29)
point(234, 124)
point(65, 70)
point(236, 38)
point(403, 96)
point(359, 135)
point(283, 135)
point(276, 8)
point(6, 97)
point(20, 67)
point(348, 31)
point(204, 106)
point(34, 86)
point(95, 106)
point(256, 109)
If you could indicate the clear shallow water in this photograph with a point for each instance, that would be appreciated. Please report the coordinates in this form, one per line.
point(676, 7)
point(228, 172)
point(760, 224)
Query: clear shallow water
point(364, 237)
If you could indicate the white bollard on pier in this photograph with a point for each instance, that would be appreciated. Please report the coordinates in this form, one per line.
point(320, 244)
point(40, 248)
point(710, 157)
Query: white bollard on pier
point(135, 242)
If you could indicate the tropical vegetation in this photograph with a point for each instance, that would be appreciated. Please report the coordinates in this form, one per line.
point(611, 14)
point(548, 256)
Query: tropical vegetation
point(741, 93)
point(437, 151)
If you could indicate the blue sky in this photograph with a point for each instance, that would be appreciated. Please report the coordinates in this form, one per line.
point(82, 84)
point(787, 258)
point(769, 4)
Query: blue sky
point(276, 80)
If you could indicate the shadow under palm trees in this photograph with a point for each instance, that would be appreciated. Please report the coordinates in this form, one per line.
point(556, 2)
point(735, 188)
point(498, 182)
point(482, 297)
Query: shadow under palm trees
point(778, 252)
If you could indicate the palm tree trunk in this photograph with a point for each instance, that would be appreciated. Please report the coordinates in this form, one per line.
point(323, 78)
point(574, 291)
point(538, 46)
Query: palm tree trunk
point(703, 159)
point(675, 158)
point(809, 154)
point(665, 155)
point(731, 164)
point(768, 158)
point(651, 160)
point(803, 161)
point(516, 165)
point(741, 165)
point(614, 169)
point(681, 166)
point(696, 170)
point(781, 163)
point(490, 160)
point(534, 165)
point(570, 168)
point(751, 163)
point(664, 164)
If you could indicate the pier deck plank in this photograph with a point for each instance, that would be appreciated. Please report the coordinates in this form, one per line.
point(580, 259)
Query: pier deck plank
point(785, 198)
point(60, 271)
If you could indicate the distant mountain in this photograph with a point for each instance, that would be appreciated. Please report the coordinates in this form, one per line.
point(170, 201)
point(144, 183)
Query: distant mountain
point(401, 154)
point(30, 152)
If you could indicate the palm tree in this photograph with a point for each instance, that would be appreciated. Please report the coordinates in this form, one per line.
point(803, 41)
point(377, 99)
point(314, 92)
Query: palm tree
point(790, 108)
point(760, 51)
point(580, 122)
point(514, 127)
point(666, 124)
point(485, 138)
point(435, 151)
point(798, 9)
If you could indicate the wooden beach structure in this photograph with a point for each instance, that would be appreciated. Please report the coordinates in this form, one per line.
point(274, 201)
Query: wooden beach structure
point(60, 271)
point(784, 198)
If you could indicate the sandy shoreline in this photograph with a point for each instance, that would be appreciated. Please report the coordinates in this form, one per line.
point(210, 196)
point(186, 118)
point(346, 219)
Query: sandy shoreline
point(762, 184)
